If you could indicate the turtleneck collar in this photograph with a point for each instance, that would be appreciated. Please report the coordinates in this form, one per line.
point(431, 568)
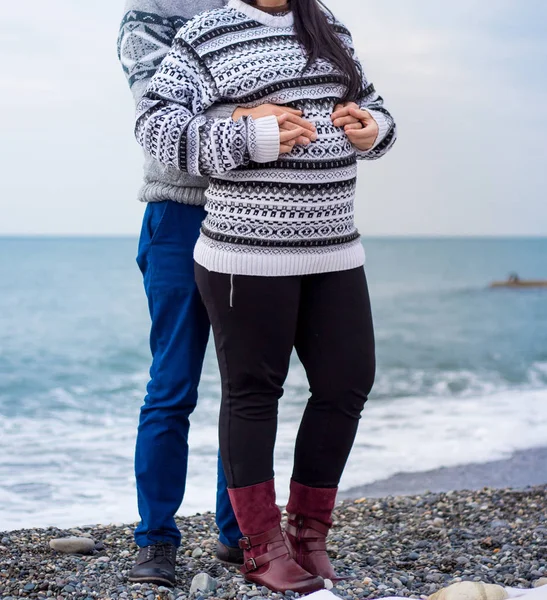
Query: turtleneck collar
point(266, 18)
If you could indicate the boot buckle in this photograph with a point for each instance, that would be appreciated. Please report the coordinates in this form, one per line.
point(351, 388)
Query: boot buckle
point(245, 543)
point(250, 565)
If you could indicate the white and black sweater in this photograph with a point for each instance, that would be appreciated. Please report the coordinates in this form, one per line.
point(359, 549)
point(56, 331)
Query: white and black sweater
point(268, 214)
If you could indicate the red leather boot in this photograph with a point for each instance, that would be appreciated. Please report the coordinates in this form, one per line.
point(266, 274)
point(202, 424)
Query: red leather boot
point(310, 519)
point(267, 558)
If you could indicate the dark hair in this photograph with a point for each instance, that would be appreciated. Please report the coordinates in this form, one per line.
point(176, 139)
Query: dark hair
point(319, 38)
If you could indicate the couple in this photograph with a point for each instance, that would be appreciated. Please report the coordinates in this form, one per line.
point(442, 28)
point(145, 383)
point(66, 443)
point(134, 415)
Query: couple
point(259, 111)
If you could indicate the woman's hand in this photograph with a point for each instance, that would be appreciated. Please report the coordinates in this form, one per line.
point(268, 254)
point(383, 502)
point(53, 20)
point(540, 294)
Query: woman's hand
point(359, 125)
point(293, 129)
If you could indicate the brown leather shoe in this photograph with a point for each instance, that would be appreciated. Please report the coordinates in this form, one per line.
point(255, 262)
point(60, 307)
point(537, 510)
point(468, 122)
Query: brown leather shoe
point(229, 556)
point(310, 519)
point(267, 558)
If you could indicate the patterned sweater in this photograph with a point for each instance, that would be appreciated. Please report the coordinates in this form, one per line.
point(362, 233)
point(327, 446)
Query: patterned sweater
point(146, 33)
point(268, 214)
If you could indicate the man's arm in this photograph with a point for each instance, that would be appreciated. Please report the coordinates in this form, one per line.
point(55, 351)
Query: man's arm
point(145, 37)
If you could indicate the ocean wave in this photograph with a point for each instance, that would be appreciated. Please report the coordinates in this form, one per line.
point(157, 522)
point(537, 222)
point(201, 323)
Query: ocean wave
point(79, 469)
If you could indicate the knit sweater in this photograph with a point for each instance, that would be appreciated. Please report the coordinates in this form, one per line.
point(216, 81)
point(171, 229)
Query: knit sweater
point(146, 34)
point(268, 214)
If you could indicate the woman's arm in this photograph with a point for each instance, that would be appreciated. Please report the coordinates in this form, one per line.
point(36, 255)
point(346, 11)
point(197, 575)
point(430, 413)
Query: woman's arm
point(172, 127)
point(368, 124)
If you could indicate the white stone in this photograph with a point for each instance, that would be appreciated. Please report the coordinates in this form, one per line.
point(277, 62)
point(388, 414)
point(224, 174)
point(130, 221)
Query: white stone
point(73, 545)
point(540, 582)
point(203, 582)
point(197, 553)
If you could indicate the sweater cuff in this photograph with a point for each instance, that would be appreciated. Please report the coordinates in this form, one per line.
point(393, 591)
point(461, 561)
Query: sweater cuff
point(264, 142)
point(384, 125)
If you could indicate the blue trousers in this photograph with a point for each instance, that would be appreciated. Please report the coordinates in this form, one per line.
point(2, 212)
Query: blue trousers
point(178, 339)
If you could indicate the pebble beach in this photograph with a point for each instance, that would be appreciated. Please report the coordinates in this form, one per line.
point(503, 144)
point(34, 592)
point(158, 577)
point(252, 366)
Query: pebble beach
point(405, 546)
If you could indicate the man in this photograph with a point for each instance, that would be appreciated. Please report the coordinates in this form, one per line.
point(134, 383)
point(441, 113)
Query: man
point(180, 326)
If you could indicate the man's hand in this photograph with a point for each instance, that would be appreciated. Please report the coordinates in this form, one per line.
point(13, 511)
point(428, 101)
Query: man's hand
point(292, 127)
point(359, 125)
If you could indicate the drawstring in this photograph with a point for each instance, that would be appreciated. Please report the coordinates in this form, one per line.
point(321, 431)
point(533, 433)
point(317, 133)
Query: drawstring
point(232, 291)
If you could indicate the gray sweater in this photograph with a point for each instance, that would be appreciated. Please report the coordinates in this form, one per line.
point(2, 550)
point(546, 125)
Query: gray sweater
point(146, 34)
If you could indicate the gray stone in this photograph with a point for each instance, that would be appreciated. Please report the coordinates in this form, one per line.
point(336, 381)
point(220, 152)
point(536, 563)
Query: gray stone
point(29, 587)
point(413, 556)
point(73, 545)
point(203, 582)
point(197, 553)
point(69, 589)
point(6, 540)
point(497, 524)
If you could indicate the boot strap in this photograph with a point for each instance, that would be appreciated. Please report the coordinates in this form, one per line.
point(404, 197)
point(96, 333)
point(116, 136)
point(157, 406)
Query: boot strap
point(314, 545)
point(306, 525)
point(251, 541)
point(252, 564)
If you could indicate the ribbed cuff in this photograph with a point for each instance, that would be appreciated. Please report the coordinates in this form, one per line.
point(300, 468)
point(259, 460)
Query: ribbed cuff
point(265, 131)
point(384, 125)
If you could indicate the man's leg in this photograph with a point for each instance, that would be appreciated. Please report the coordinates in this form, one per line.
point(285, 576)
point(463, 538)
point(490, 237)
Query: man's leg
point(179, 335)
point(230, 533)
point(178, 339)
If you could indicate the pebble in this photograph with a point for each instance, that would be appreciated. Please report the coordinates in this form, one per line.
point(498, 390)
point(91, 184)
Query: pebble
point(197, 553)
point(438, 522)
point(496, 524)
point(203, 582)
point(103, 559)
point(73, 545)
point(413, 556)
point(540, 582)
point(382, 545)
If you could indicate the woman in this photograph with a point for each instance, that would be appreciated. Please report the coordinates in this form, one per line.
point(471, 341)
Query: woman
point(279, 263)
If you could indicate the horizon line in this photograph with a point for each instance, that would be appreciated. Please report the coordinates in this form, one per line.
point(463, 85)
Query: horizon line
point(381, 236)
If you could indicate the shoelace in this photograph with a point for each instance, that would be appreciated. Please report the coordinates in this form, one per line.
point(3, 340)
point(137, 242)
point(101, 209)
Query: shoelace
point(161, 551)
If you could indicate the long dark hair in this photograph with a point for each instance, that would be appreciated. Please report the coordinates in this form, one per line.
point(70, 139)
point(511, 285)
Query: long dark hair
point(317, 35)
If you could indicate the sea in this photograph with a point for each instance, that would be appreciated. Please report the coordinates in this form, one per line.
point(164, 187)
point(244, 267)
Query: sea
point(462, 372)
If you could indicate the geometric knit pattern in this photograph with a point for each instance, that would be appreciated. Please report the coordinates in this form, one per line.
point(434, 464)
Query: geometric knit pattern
point(145, 37)
point(143, 42)
point(290, 216)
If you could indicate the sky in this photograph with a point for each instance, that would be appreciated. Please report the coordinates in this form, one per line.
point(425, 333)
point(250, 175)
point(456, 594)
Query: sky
point(466, 82)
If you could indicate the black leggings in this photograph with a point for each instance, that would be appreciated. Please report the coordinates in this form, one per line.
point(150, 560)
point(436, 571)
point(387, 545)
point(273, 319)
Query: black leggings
point(257, 321)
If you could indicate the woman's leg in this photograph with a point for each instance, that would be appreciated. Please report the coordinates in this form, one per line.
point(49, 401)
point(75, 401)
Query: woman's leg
point(254, 323)
point(335, 342)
